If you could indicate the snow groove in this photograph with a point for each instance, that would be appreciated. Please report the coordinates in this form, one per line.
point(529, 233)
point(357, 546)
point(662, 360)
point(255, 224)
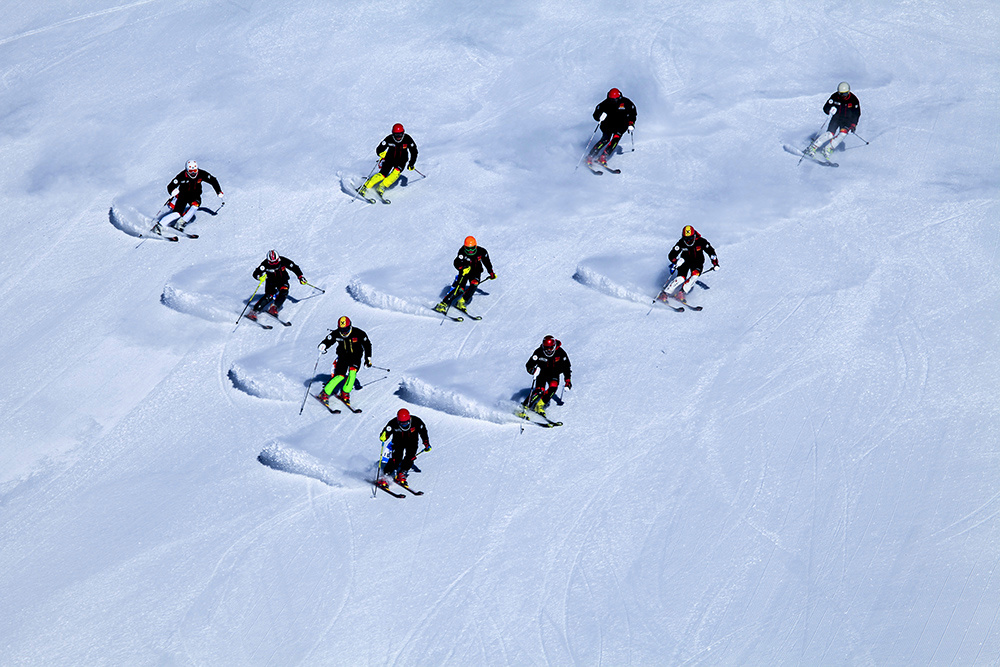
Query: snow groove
point(419, 392)
point(288, 459)
point(602, 283)
point(371, 296)
point(198, 305)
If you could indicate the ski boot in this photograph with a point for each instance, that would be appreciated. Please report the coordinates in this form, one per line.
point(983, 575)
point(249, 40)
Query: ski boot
point(540, 407)
point(400, 478)
point(382, 483)
point(811, 151)
point(363, 189)
point(157, 229)
point(441, 307)
point(461, 305)
point(324, 397)
point(273, 310)
point(345, 398)
point(252, 315)
point(828, 152)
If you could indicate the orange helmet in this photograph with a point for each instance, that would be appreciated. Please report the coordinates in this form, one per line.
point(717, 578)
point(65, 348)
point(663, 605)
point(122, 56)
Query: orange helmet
point(470, 241)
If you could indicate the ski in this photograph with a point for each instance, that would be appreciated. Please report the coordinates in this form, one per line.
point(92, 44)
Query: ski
point(526, 415)
point(362, 197)
point(811, 158)
point(594, 170)
point(663, 300)
point(287, 324)
point(391, 493)
point(258, 322)
point(681, 300)
point(445, 314)
point(325, 404)
point(381, 197)
point(612, 169)
point(407, 487)
point(346, 404)
point(469, 315)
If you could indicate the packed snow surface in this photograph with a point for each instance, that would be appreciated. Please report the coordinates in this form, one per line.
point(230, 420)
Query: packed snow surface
point(804, 473)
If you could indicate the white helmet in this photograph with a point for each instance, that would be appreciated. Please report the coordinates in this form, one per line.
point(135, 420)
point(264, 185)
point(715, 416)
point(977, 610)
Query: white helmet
point(844, 87)
point(192, 168)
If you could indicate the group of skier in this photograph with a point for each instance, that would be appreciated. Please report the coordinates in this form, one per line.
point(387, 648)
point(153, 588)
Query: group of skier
point(616, 115)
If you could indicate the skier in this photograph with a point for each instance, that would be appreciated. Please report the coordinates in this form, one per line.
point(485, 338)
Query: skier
point(547, 362)
point(274, 269)
point(351, 344)
point(403, 431)
point(687, 257)
point(844, 110)
point(394, 151)
point(471, 261)
point(185, 196)
point(617, 116)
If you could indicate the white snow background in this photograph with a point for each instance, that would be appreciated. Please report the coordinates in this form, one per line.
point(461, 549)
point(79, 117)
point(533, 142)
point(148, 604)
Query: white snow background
point(805, 473)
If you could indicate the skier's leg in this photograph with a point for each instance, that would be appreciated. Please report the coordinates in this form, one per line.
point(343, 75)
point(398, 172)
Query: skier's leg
point(819, 141)
point(609, 150)
point(186, 211)
point(352, 373)
point(388, 181)
point(689, 283)
point(279, 299)
point(371, 182)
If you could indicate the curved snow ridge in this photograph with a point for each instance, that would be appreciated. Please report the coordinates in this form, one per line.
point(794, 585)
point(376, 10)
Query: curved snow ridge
point(198, 305)
point(372, 296)
point(126, 219)
point(600, 282)
point(262, 382)
point(295, 461)
point(419, 392)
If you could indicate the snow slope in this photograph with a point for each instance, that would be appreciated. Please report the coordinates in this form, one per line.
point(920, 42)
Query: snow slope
point(803, 473)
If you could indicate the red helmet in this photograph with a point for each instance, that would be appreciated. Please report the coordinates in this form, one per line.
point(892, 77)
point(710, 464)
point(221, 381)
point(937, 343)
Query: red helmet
point(614, 94)
point(689, 231)
point(272, 257)
point(403, 416)
point(344, 323)
point(549, 345)
point(398, 128)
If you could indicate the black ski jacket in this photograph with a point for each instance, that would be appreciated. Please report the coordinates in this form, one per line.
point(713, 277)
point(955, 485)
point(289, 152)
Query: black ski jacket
point(621, 114)
point(396, 153)
point(693, 250)
point(190, 188)
point(848, 109)
point(475, 262)
point(552, 366)
point(277, 274)
point(350, 346)
point(401, 438)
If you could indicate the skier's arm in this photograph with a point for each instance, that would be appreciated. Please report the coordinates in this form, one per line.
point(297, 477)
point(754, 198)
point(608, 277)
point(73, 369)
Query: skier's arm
point(213, 181)
point(487, 263)
point(631, 114)
point(367, 345)
point(259, 272)
point(175, 184)
point(413, 152)
point(327, 343)
point(386, 432)
point(567, 370)
point(382, 148)
point(828, 106)
point(422, 432)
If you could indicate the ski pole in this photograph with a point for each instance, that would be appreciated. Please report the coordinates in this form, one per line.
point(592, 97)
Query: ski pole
point(309, 386)
point(259, 283)
point(380, 368)
point(378, 470)
point(357, 383)
point(631, 135)
point(322, 291)
point(856, 134)
point(422, 174)
point(588, 146)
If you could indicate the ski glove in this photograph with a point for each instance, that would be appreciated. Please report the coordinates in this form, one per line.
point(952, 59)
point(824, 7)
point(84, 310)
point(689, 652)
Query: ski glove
point(302, 280)
point(322, 348)
point(833, 110)
point(603, 116)
point(368, 363)
point(672, 267)
point(427, 447)
point(568, 383)
point(175, 193)
point(410, 166)
point(465, 270)
point(493, 276)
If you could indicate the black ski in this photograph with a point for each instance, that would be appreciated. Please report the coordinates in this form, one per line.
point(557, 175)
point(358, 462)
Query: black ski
point(681, 300)
point(407, 487)
point(470, 315)
point(346, 404)
point(450, 317)
point(593, 169)
point(526, 415)
point(287, 324)
point(811, 158)
point(391, 493)
point(612, 169)
point(325, 405)
point(663, 300)
point(258, 322)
